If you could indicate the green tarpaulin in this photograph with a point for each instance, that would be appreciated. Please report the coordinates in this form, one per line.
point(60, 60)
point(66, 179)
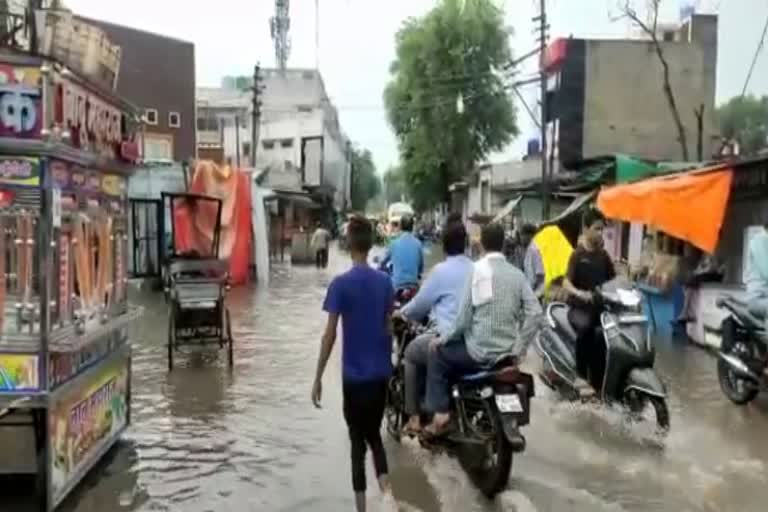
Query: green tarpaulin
point(632, 169)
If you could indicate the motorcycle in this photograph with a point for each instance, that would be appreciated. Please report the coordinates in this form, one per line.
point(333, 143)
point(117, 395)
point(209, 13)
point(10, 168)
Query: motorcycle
point(743, 356)
point(489, 407)
point(628, 378)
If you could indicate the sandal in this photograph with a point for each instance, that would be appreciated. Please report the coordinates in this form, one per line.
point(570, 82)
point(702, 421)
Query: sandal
point(428, 433)
point(410, 431)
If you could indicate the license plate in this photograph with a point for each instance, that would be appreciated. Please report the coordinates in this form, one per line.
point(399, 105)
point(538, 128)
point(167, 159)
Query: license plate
point(509, 403)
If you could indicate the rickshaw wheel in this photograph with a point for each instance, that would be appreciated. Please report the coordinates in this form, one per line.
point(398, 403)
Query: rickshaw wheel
point(171, 339)
point(230, 341)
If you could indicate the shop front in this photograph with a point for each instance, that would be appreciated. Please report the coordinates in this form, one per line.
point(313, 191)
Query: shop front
point(713, 209)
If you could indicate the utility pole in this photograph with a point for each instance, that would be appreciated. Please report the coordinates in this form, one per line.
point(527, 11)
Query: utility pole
point(237, 139)
point(545, 174)
point(32, 7)
point(256, 113)
point(351, 180)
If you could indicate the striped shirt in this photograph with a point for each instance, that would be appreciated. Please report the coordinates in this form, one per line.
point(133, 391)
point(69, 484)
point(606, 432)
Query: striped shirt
point(505, 325)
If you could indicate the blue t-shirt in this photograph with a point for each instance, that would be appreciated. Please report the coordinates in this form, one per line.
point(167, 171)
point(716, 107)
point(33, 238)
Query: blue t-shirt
point(407, 258)
point(363, 297)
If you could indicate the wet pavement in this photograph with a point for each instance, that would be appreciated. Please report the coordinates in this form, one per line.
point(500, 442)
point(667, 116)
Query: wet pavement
point(204, 438)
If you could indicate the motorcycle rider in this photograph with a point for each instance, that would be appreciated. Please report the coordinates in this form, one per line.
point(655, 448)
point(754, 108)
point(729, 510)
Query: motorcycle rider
point(439, 298)
point(589, 268)
point(757, 273)
point(406, 255)
point(496, 299)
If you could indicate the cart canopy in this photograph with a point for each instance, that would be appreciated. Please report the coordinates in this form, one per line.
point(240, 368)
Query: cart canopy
point(689, 206)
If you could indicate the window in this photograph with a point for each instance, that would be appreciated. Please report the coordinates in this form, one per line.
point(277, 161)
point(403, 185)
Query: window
point(305, 108)
point(246, 148)
point(150, 116)
point(174, 120)
point(208, 124)
point(158, 147)
point(268, 144)
point(286, 143)
point(668, 36)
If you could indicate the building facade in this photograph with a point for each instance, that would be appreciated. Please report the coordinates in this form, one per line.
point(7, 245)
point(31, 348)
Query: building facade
point(606, 96)
point(157, 74)
point(299, 129)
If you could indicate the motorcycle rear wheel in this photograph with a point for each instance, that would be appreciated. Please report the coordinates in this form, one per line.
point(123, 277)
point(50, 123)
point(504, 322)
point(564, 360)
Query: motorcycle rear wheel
point(492, 474)
point(735, 389)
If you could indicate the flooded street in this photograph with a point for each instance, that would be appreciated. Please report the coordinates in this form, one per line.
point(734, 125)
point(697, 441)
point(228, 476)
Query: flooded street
point(204, 438)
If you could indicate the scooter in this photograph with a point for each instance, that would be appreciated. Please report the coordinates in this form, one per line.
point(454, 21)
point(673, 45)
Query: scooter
point(629, 378)
point(742, 364)
point(489, 407)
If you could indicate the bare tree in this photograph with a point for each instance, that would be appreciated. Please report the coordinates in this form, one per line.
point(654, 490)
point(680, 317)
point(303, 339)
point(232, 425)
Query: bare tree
point(650, 28)
point(699, 113)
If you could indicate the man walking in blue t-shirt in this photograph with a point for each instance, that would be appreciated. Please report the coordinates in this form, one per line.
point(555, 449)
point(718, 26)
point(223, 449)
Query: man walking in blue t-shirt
point(407, 256)
point(363, 297)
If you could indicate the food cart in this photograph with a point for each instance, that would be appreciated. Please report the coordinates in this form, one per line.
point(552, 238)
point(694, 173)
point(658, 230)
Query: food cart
point(66, 151)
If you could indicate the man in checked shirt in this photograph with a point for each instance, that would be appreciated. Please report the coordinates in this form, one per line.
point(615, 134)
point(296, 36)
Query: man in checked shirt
point(496, 301)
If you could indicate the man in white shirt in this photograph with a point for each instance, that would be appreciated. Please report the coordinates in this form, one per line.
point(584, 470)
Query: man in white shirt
point(321, 238)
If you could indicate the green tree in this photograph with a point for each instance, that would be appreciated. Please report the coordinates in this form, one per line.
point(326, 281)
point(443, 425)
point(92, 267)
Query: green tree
point(446, 101)
point(745, 119)
point(365, 182)
point(395, 186)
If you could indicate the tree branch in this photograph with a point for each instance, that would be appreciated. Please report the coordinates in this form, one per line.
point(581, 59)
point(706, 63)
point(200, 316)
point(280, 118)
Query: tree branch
point(629, 12)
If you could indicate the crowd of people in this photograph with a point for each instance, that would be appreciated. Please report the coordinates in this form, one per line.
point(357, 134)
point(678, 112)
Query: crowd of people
point(477, 313)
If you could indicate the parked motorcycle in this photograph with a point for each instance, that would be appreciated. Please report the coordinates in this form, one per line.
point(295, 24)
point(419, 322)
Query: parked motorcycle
point(629, 378)
point(743, 356)
point(489, 407)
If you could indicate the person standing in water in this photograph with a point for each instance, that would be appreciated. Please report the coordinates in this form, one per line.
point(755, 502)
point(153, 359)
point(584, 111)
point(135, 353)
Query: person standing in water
point(319, 243)
point(364, 298)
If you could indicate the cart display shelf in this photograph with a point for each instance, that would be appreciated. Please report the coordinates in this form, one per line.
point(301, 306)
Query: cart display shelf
point(67, 339)
point(67, 148)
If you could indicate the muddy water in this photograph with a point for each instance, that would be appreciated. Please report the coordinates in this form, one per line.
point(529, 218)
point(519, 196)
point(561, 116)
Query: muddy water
point(206, 439)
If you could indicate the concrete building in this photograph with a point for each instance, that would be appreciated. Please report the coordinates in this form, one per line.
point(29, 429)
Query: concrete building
point(299, 129)
point(606, 95)
point(157, 74)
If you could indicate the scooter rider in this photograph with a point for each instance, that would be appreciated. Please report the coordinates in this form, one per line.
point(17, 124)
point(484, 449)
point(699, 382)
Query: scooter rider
point(407, 257)
point(439, 298)
point(589, 267)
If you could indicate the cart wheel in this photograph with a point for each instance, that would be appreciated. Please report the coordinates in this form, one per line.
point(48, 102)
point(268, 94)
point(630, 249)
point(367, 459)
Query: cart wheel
point(230, 341)
point(171, 339)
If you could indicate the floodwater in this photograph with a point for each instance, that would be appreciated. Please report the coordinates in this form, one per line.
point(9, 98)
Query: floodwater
point(207, 439)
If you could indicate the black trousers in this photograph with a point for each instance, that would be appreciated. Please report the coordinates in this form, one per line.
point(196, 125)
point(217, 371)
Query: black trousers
point(363, 410)
point(321, 258)
point(590, 351)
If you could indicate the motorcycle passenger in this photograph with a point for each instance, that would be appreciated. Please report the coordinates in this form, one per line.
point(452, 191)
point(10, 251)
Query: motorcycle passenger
point(757, 274)
point(533, 265)
point(406, 255)
point(589, 268)
point(496, 299)
point(439, 298)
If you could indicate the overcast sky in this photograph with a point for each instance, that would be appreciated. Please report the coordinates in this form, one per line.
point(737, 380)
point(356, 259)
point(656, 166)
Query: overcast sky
point(357, 45)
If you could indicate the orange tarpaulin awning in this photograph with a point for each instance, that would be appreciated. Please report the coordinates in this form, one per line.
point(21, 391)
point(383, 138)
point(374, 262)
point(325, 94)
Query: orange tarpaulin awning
point(688, 206)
